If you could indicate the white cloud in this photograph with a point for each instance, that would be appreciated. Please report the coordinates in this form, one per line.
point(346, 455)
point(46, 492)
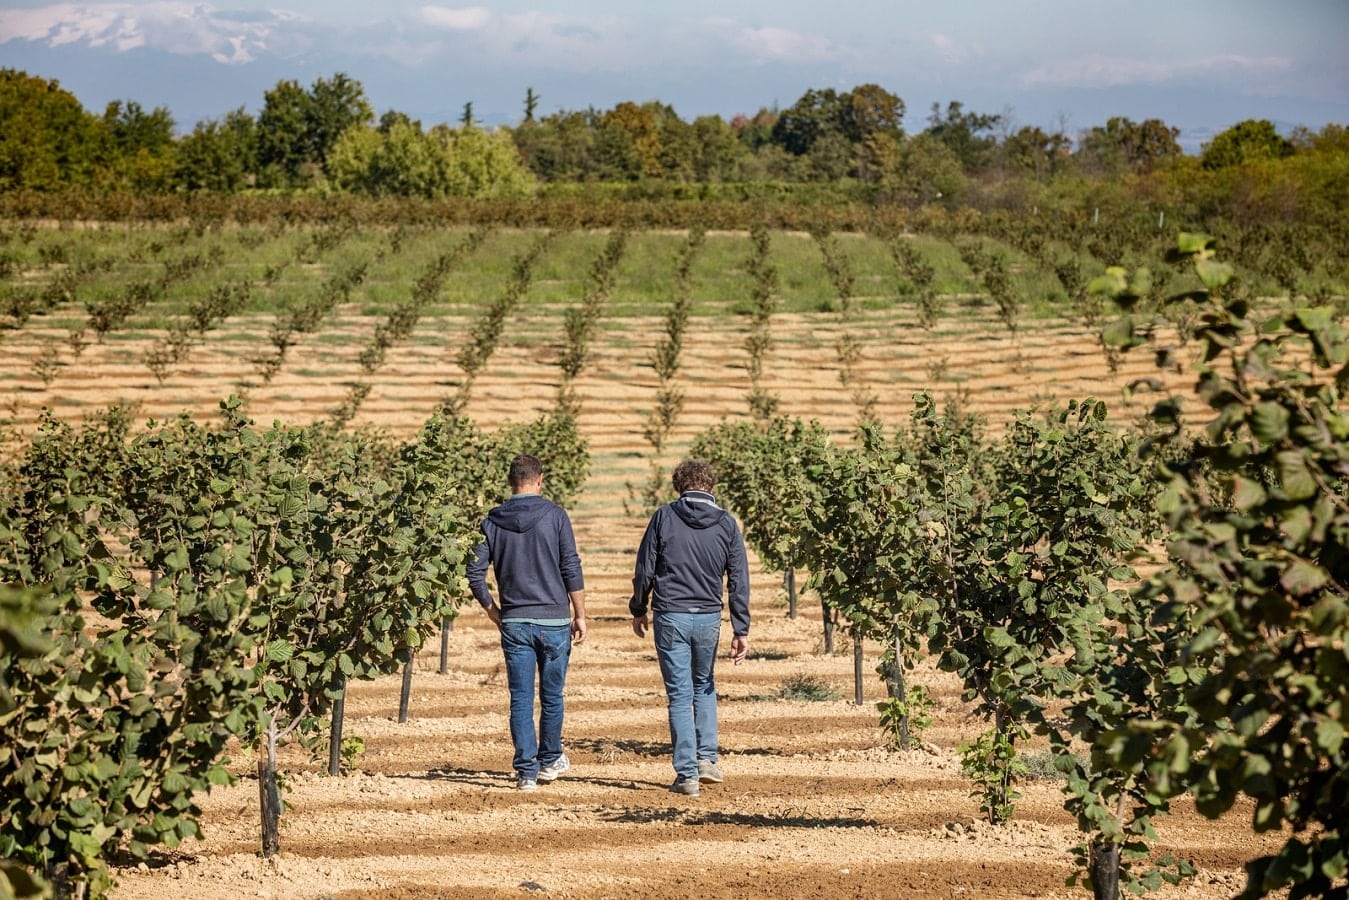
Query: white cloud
point(469, 18)
point(954, 51)
point(772, 43)
point(948, 48)
point(1106, 71)
point(575, 42)
point(609, 43)
point(616, 42)
point(173, 27)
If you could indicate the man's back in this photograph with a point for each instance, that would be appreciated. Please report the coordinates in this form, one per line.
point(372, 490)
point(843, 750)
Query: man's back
point(690, 546)
point(529, 543)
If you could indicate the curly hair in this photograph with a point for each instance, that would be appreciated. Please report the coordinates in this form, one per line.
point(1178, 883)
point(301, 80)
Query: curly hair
point(694, 475)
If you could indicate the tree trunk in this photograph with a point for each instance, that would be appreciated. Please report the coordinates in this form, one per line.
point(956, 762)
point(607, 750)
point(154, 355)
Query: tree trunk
point(1002, 731)
point(406, 692)
point(446, 626)
point(335, 734)
point(857, 665)
point(897, 689)
point(828, 628)
point(789, 581)
point(1104, 864)
point(63, 887)
point(269, 796)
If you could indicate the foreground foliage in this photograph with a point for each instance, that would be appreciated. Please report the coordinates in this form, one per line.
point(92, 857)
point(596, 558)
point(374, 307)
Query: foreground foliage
point(1260, 574)
point(238, 577)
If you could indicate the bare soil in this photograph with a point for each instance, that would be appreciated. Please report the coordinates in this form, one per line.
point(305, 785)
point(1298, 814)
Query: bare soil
point(814, 804)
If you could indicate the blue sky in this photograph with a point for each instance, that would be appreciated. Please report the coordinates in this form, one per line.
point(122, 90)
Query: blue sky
point(1200, 65)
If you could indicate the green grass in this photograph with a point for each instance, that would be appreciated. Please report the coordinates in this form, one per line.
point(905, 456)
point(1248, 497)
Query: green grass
point(806, 687)
point(1040, 765)
point(643, 279)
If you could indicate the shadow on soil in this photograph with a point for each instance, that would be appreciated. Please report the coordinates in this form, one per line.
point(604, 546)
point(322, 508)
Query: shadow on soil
point(603, 747)
point(502, 780)
point(459, 775)
point(786, 818)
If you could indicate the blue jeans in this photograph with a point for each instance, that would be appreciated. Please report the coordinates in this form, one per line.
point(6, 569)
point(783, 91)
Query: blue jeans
point(686, 645)
point(545, 650)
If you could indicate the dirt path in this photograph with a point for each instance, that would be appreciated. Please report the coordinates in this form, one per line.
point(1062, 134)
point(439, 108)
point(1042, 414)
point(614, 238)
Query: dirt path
point(812, 806)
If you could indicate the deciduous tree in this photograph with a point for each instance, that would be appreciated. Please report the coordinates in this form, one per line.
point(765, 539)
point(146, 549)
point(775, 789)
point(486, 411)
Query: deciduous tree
point(1249, 141)
point(219, 155)
point(47, 140)
point(969, 135)
point(1125, 145)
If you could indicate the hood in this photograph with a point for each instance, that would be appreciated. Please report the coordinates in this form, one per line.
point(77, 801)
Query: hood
point(698, 509)
point(520, 513)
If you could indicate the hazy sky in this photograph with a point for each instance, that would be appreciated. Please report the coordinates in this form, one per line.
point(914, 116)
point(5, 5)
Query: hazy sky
point(1200, 65)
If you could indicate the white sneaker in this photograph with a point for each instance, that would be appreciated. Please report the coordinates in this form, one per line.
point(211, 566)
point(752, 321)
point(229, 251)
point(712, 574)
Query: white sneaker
point(526, 784)
point(554, 768)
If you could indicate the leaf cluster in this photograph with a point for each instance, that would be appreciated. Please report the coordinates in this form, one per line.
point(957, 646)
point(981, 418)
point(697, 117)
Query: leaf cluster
point(241, 576)
point(1259, 573)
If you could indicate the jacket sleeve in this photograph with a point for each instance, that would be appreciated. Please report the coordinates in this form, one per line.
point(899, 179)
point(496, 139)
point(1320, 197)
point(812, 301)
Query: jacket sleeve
point(569, 561)
point(644, 573)
point(737, 580)
point(477, 573)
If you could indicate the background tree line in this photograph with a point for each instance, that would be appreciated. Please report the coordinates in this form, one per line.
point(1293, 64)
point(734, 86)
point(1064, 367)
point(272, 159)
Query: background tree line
point(328, 136)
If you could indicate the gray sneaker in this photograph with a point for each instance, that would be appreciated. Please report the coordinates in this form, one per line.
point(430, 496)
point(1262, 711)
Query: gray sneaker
point(525, 783)
point(708, 772)
point(554, 768)
point(686, 786)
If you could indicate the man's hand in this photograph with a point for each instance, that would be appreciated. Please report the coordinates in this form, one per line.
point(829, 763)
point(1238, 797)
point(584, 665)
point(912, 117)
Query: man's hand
point(578, 630)
point(639, 625)
point(739, 648)
point(494, 613)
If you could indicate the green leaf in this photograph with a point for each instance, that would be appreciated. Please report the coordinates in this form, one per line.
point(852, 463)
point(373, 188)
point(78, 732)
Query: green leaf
point(280, 650)
point(1294, 476)
point(1141, 282)
point(1119, 333)
point(1114, 282)
point(175, 782)
point(1247, 493)
point(1297, 524)
point(999, 637)
point(176, 560)
point(1214, 274)
point(1190, 242)
point(1302, 577)
point(85, 846)
point(1329, 736)
point(1269, 422)
point(1315, 318)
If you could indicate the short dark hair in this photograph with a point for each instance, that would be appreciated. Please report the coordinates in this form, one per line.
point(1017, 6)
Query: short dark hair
point(524, 469)
point(694, 475)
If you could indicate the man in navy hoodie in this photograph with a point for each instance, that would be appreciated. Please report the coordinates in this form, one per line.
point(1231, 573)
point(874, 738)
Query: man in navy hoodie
point(529, 544)
point(689, 547)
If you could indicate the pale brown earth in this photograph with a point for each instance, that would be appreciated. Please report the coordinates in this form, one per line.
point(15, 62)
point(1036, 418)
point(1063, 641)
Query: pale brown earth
point(813, 804)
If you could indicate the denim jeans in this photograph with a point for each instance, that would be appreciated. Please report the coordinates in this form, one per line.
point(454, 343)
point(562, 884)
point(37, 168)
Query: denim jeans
point(545, 650)
point(686, 645)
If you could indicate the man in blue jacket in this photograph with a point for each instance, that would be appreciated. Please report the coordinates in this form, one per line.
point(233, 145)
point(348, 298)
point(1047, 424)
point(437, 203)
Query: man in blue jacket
point(689, 547)
point(529, 544)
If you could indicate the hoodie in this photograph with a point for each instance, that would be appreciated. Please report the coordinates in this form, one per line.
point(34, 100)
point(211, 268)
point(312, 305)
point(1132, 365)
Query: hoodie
point(689, 546)
point(529, 544)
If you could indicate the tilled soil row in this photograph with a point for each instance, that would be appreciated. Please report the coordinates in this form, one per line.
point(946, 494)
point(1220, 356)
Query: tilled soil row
point(814, 803)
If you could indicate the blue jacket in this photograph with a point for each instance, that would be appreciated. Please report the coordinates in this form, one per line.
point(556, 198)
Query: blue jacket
point(689, 546)
point(529, 543)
